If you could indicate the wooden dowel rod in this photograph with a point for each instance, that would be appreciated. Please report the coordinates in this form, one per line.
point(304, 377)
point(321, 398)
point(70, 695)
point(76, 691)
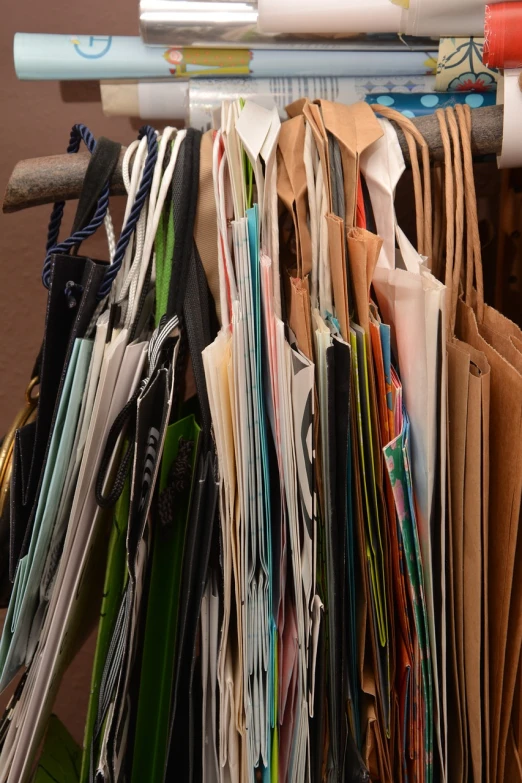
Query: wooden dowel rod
point(486, 133)
point(60, 177)
point(40, 181)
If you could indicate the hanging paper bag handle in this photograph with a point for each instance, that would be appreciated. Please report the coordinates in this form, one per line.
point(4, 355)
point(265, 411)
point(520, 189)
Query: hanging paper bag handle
point(79, 133)
point(130, 225)
point(475, 252)
point(422, 200)
point(454, 207)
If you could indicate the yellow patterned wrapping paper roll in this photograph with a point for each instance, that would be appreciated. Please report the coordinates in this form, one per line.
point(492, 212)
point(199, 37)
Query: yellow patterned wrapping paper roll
point(460, 67)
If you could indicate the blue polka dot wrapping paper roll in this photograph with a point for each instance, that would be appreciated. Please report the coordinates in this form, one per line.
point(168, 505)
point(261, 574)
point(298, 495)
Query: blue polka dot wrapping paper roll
point(420, 104)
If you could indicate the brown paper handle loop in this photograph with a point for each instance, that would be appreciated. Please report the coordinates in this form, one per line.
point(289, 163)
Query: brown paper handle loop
point(464, 119)
point(459, 217)
point(450, 211)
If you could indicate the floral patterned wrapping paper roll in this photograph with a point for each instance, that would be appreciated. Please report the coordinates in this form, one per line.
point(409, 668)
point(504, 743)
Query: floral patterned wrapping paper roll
point(460, 67)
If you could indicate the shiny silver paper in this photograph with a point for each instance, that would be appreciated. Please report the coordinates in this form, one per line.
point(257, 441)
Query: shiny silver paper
point(199, 22)
point(233, 23)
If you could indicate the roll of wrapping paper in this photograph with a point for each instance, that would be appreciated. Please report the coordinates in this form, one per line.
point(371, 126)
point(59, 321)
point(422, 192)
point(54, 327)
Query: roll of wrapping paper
point(416, 105)
point(213, 21)
point(231, 23)
point(194, 101)
point(503, 35)
point(415, 17)
point(40, 56)
point(460, 66)
point(511, 95)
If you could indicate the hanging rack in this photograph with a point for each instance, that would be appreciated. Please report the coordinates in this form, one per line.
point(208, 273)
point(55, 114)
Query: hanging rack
point(60, 177)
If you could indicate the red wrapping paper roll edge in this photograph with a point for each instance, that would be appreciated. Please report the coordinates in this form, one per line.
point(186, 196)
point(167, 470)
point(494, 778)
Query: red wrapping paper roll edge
point(503, 35)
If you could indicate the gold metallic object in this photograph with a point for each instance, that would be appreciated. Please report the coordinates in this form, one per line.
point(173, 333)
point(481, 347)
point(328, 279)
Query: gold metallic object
point(23, 417)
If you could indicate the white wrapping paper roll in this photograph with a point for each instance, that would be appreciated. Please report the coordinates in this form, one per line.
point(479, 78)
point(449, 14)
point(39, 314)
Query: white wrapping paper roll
point(446, 17)
point(310, 16)
point(423, 17)
point(511, 95)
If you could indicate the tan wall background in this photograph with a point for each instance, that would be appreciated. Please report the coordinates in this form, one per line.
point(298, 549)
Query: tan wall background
point(35, 121)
